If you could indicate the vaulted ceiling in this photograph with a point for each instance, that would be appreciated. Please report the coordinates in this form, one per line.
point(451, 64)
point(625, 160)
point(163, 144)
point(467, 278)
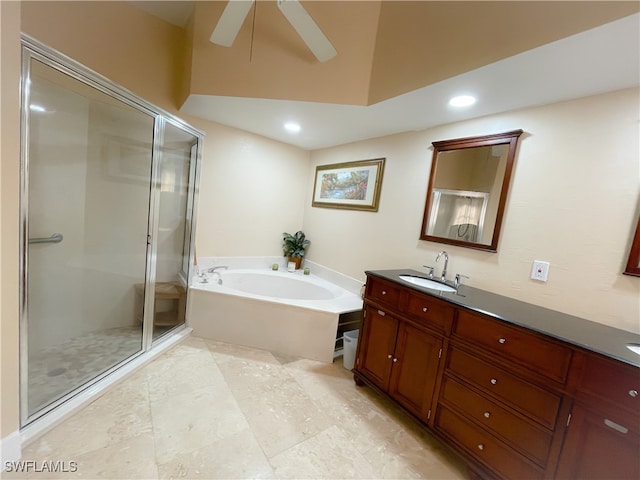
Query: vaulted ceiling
point(386, 49)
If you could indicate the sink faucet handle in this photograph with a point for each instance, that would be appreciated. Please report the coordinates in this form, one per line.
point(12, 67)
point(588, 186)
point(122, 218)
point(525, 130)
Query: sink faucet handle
point(456, 281)
point(430, 270)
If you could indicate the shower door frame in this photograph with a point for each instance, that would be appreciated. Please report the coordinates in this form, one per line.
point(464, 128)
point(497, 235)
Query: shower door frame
point(33, 49)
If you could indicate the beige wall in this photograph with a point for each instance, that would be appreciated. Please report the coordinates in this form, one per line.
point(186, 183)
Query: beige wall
point(251, 191)
point(115, 39)
point(9, 194)
point(573, 202)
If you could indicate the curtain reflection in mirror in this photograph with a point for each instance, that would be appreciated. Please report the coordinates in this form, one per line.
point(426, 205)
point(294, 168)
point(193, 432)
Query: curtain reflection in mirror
point(458, 215)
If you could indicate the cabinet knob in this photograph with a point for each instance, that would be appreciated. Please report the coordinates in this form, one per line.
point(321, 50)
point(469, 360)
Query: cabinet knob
point(481, 446)
point(395, 360)
point(633, 393)
point(502, 340)
point(389, 356)
point(384, 292)
point(425, 309)
point(486, 414)
point(493, 381)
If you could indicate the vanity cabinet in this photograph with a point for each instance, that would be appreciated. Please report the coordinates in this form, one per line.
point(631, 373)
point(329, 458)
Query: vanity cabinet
point(400, 346)
point(603, 435)
point(513, 402)
point(502, 394)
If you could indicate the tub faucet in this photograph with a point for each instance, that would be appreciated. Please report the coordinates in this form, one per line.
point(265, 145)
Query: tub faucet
point(446, 262)
point(213, 270)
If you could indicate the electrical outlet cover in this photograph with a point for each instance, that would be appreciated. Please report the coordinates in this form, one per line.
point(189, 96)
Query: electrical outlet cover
point(540, 270)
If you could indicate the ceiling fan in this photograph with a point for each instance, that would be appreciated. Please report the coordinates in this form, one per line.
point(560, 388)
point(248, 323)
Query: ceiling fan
point(236, 12)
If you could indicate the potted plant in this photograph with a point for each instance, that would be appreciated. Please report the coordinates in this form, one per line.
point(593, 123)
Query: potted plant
point(294, 246)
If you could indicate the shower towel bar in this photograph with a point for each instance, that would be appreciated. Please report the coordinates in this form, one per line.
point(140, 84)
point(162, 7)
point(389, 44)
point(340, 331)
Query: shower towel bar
point(55, 238)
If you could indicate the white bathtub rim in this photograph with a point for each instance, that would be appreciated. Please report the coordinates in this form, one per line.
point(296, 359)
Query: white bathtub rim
point(351, 284)
point(343, 302)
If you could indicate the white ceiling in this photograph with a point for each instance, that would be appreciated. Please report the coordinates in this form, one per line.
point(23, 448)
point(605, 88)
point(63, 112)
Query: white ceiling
point(603, 59)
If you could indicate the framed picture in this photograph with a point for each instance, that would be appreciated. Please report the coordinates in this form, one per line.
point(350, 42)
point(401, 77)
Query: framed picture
point(352, 185)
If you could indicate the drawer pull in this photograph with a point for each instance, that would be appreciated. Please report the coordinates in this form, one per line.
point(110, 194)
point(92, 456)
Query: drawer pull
point(493, 381)
point(384, 292)
point(381, 313)
point(425, 309)
point(502, 340)
point(481, 446)
point(486, 414)
point(633, 393)
point(615, 426)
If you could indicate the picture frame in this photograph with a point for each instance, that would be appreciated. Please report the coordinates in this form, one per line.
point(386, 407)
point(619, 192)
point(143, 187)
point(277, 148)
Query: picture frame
point(351, 186)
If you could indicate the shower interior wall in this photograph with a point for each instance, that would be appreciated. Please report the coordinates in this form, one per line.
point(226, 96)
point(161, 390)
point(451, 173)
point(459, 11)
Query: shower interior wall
point(91, 194)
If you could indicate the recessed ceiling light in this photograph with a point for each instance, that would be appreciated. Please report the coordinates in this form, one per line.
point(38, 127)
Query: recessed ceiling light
point(292, 127)
point(462, 101)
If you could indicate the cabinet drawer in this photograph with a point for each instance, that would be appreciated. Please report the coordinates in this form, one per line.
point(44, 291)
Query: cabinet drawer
point(428, 310)
point(524, 436)
point(526, 348)
point(486, 448)
point(536, 403)
point(613, 381)
point(383, 292)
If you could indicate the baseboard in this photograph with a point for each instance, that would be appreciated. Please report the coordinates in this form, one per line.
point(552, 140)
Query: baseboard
point(10, 449)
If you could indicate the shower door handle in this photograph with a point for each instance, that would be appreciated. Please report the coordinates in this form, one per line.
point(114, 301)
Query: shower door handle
point(55, 238)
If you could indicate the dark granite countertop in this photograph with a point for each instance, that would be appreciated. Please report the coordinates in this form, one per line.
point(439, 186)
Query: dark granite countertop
point(583, 333)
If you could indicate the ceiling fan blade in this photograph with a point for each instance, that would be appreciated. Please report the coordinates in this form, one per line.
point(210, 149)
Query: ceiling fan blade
point(230, 22)
point(308, 30)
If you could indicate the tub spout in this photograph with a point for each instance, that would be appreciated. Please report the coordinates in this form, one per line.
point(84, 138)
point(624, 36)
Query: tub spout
point(215, 270)
point(219, 267)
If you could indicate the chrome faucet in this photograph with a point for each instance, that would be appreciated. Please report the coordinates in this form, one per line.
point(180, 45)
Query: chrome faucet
point(213, 270)
point(446, 262)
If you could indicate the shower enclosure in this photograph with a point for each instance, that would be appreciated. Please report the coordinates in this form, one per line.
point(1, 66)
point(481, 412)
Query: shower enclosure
point(107, 205)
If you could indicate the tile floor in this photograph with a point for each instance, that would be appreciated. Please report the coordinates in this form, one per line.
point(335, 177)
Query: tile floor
point(206, 409)
point(57, 370)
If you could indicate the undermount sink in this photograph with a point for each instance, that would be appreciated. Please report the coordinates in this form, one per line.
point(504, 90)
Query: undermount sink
point(634, 347)
point(427, 283)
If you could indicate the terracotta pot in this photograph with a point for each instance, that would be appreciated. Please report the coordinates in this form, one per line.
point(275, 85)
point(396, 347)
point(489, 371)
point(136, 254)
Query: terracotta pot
point(297, 261)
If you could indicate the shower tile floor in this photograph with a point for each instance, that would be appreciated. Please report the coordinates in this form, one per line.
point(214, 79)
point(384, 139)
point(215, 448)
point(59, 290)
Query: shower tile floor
point(57, 370)
point(210, 410)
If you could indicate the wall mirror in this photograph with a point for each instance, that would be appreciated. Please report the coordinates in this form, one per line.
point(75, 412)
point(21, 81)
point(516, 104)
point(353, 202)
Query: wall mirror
point(468, 189)
point(633, 264)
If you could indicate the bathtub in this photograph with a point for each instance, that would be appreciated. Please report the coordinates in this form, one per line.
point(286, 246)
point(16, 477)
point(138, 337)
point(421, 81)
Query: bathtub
point(283, 312)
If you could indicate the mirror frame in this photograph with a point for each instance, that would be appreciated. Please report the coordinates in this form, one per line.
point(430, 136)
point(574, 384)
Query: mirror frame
point(507, 138)
point(633, 264)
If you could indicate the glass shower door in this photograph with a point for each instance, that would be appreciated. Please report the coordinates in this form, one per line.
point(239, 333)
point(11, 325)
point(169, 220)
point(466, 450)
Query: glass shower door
point(87, 190)
point(173, 238)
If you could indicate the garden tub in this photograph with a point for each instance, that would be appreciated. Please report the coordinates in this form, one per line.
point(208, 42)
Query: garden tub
point(283, 312)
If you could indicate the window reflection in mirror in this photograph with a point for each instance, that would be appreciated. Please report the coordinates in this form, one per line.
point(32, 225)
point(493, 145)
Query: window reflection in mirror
point(467, 190)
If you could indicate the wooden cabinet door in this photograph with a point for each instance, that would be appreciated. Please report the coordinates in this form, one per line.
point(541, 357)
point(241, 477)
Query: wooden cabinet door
point(378, 338)
point(597, 447)
point(415, 368)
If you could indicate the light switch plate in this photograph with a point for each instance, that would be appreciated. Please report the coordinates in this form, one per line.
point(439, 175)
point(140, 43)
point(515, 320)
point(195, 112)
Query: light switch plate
point(540, 270)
